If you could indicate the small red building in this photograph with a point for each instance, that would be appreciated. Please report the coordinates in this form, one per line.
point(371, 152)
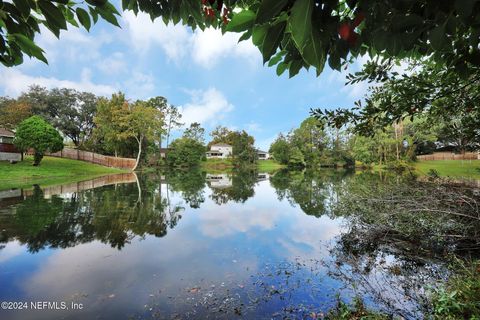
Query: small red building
point(8, 152)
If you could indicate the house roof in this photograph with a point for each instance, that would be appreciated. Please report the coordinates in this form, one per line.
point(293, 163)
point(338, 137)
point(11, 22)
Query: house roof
point(6, 133)
point(260, 151)
point(220, 145)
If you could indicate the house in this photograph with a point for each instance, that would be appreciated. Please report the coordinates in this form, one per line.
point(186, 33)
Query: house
point(8, 152)
point(219, 151)
point(262, 176)
point(164, 151)
point(262, 155)
point(219, 181)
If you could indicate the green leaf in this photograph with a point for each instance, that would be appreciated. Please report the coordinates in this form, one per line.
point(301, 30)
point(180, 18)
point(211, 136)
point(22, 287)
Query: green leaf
point(281, 67)
point(437, 37)
point(53, 14)
point(272, 40)
point(241, 21)
point(29, 47)
point(108, 15)
point(334, 62)
point(314, 53)
point(258, 35)
point(269, 9)
point(84, 18)
point(94, 14)
point(295, 67)
point(70, 17)
point(300, 22)
point(246, 35)
point(97, 3)
point(23, 7)
point(276, 59)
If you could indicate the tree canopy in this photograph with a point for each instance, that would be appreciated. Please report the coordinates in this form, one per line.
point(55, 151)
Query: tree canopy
point(37, 134)
point(118, 120)
point(290, 34)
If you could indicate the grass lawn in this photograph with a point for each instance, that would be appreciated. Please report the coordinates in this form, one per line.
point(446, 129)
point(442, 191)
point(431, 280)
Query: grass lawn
point(268, 165)
point(467, 169)
point(50, 171)
point(217, 164)
point(214, 165)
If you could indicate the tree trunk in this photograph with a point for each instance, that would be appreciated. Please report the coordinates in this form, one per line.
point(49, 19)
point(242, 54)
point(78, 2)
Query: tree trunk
point(139, 151)
point(37, 157)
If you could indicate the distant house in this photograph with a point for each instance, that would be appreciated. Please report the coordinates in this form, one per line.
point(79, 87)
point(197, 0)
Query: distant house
point(164, 151)
point(219, 181)
point(262, 155)
point(219, 151)
point(8, 152)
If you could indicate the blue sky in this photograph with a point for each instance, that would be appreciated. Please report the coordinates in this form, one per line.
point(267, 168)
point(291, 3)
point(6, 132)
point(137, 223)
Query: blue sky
point(213, 79)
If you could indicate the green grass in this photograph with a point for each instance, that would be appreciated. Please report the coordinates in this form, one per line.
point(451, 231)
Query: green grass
point(269, 165)
point(221, 165)
point(462, 169)
point(51, 171)
point(217, 164)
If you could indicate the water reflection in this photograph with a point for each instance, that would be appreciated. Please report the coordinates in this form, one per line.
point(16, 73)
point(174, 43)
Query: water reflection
point(191, 244)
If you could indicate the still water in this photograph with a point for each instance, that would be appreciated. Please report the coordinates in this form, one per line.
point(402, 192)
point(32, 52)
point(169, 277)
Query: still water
point(192, 245)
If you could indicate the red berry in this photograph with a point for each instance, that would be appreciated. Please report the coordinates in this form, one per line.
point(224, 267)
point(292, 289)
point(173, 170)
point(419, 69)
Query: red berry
point(345, 30)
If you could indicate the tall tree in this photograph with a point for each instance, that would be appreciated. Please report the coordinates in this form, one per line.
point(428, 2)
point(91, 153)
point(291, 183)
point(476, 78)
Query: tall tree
point(138, 121)
point(219, 135)
point(195, 132)
point(13, 112)
point(439, 93)
point(172, 120)
point(160, 103)
point(280, 149)
point(119, 121)
point(68, 110)
point(108, 128)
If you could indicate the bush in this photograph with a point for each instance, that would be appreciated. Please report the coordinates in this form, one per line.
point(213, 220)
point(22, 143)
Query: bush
point(37, 134)
point(185, 152)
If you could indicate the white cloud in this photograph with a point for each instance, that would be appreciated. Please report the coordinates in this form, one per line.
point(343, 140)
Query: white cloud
point(75, 45)
point(205, 48)
point(140, 85)
point(14, 82)
point(206, 107)
point(11, 250)
point(173, 39)
point(210, 45)
point(113, 64)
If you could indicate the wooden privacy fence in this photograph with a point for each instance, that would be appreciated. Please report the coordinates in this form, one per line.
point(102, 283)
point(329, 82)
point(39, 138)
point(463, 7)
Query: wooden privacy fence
point(108, 161)
point(86, 185)
point(450, 156)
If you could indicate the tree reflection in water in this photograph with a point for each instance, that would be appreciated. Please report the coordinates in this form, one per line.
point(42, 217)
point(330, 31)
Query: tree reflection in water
point(112, 214)
point(389, 251)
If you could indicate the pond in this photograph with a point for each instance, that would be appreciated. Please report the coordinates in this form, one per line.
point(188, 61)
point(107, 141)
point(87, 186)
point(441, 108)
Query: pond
point(190, 245)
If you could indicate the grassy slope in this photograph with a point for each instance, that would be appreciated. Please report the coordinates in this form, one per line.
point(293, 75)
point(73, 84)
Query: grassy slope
point(51, 171)
point(467, 169)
